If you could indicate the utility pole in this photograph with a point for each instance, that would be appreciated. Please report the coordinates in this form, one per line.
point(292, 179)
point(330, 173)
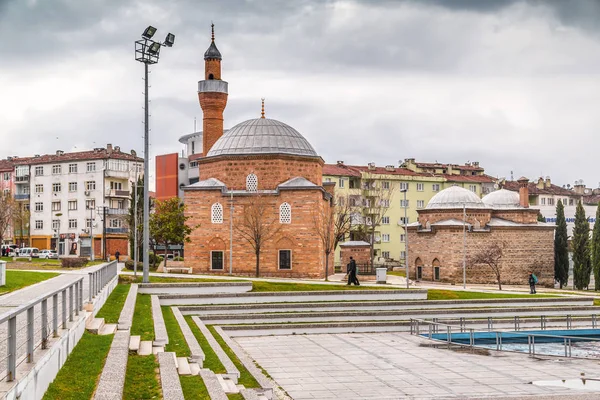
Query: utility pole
point(92, 233)
point(135, 230)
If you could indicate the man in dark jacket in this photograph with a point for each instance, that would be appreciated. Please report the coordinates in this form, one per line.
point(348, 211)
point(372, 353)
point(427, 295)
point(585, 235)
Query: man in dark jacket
point(532, 282)
point(117, 255)
point(352, 272)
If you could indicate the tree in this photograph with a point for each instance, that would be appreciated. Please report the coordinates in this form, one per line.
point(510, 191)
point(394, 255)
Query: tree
point(130, 221)
point(168, 224)
point(490, 256)
point(7, 211)
point(596, 250)
point(332, 223)
point(561, 247)
point(540, 216)
point(376, 197)
point(20, 222)
point(258, 224)
point(581, 249)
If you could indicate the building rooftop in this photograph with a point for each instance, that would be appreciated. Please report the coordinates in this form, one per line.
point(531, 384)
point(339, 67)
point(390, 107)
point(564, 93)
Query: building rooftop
point(455, 197)
point(534, 189)
point(502, 199)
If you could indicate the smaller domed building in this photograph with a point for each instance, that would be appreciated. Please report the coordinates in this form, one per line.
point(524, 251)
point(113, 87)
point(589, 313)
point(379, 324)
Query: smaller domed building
point(456, 220)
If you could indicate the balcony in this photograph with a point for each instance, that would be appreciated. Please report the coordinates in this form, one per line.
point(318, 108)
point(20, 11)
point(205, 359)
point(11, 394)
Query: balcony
point(117, 173)
point(22, 179)
point(22, 196)
point(116, 230)
point(117, 193)
point(117, 211)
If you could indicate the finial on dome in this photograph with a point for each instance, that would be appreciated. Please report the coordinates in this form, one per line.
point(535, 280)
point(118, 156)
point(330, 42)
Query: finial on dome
point(212, 28)
point(262, 112)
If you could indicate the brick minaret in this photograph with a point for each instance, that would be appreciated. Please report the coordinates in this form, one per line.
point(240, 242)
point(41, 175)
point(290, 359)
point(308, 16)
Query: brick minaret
point(212, 93)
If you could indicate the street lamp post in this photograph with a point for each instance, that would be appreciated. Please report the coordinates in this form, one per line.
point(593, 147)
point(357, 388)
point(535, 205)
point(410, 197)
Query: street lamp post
point(464, 246)
point(135, 231)
point(406, 239)
point(231, 235)
point(147, 51)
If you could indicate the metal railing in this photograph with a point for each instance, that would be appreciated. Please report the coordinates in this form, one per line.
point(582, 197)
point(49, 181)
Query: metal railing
point(100, 277)
point(22, 323)
point(467, 337)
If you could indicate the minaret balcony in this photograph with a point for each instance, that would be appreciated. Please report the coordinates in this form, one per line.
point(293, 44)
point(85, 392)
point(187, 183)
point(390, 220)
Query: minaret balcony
point(213, 85)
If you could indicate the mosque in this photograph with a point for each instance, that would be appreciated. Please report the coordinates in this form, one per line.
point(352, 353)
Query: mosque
point(456, 224)
point(260, 182)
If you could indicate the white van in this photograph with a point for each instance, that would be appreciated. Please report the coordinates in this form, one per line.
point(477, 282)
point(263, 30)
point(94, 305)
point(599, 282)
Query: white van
point(32, 252)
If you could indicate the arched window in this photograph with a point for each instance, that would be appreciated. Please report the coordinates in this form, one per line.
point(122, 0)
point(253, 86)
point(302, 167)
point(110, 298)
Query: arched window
point(252, 183)
point(285, 213)
point(216, 213)
point(211, 76)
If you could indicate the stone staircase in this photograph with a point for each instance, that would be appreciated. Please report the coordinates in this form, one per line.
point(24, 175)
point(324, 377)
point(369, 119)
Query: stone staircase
point(97, 326)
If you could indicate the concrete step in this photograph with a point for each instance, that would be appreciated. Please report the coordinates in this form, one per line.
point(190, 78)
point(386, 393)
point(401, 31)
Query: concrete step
point(227, 384)
point(108, 329)
point(158, 349)
point(145, 348)
point(95, 325)
point(194, 368)
point(183, 366)
point(134, 343)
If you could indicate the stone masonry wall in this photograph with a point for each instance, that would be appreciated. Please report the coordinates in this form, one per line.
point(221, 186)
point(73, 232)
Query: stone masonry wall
point(527, 249)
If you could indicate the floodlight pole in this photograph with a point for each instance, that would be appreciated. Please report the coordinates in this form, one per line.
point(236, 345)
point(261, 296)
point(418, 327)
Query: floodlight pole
point(464, 245)
point(231, 235)
point(146, 238)
point(135, 223)
point(406, 241)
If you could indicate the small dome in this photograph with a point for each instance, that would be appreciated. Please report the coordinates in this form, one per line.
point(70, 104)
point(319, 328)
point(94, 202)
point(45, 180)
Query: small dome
point(455, 197)
point(262, 136)
point(502, 199)
point(212, 52)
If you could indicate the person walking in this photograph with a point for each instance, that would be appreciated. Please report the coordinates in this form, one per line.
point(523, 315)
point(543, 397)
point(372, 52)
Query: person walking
point(532, 282)
point(117, 254)
point(352, 273)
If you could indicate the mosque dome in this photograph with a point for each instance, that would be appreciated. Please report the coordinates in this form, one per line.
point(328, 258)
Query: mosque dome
point(262, 136)
point(502, 199)
point(455, 197)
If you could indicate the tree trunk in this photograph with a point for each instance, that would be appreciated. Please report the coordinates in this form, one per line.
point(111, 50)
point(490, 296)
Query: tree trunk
point(257, 263)
point(166, 247)
point(499, 282)
point(326, 266)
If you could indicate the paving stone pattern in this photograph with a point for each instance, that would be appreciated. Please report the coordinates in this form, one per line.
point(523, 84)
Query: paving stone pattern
point(161, 337)
point(112, 379)
point(126, 317)
point(394, 366)
point(197, 355)
point(169, 378)
point(225, 360)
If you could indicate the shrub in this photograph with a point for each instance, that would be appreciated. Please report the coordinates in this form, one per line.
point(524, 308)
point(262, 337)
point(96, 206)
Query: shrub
point(178, 259)
point(130, 263)
point(73, 262)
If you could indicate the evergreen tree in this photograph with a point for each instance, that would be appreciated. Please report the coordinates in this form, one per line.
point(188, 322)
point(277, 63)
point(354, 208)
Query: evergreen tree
point(581, 249)
point(596, 250)
point(541, 217)
point(561, 247)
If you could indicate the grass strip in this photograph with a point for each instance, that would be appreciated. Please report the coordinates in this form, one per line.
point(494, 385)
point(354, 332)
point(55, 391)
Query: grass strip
point(262, 286)
point(438, 294)
point(397, 273)
point(143, 323)
point(177, 343)
point(19, 279)
point(114, 304)
point(78, 377)
point(193, 387)
point(141, 380)
point(235, 396)
point(246, 377)
point(166, 279)
point(211, 361)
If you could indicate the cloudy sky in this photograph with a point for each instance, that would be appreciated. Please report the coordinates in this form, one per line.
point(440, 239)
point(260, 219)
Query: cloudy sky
point(514, 85)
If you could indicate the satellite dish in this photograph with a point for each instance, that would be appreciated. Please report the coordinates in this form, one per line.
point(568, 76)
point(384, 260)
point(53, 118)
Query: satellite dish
point(496, 186)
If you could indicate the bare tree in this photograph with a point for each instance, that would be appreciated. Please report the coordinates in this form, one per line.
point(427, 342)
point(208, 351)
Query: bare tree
point(332, 223)
point(20, 222)
point(7, 211)
point(258, 224)
point(376, 193)
point(490, 256)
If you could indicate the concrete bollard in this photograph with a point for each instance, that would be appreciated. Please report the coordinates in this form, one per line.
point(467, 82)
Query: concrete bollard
point(2, 273)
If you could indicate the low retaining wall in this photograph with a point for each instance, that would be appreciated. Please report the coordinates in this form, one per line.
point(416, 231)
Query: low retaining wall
point(282, 297)
point(194, 288)
point(161, 337)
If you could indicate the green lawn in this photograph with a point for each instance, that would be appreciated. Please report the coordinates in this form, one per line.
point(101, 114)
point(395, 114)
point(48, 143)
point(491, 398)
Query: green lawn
point(211, 361)
point(437, 294)
point(397, 273)
point(261, 286)
point(143, 324)
point(193, 387)
point(177, 343)
point(114, 304)
point(19, 279)
point(161, 279)
point(246, 378)
point(141, 380)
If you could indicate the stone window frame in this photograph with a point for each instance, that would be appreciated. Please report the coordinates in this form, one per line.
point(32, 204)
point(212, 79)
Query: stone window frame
point(56, 169)
point(252, 182)
point(279, 260)
point(216, 213)
point(73, 168)
point(285, 213)
point(73, 186)
point(222, 260)
point(420, 187)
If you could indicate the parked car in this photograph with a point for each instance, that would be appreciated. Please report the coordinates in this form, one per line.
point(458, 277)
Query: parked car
point(49, 254)
point(32, 252)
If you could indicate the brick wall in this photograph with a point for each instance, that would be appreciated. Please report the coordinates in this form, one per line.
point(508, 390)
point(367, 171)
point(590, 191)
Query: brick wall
point(527, 249)
point(212, 66)
point(299, 236)
point(120, 244)
point(361, 254)
point(270, 170)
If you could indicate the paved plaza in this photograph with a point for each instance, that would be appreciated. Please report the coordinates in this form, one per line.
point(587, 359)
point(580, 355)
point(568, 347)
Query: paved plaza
point(395, 366)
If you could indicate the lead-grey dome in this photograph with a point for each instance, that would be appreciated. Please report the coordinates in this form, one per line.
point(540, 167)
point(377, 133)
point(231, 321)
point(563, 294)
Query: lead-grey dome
point(212, 52)
point(502, 199)
point(262, 136)
point(455, 197)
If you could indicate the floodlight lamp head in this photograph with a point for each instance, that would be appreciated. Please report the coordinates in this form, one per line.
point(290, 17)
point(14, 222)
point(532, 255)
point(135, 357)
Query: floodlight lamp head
point(154, 48)
point(170, 40)
point(149, 32)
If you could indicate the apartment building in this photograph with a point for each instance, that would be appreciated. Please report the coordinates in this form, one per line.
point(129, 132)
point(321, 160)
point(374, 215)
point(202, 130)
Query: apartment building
point(421, 182)
point(66, 199)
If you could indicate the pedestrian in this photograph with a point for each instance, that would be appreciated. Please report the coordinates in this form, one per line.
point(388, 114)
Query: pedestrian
point(352, 273)
point(117, 254)
point(532, 282)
